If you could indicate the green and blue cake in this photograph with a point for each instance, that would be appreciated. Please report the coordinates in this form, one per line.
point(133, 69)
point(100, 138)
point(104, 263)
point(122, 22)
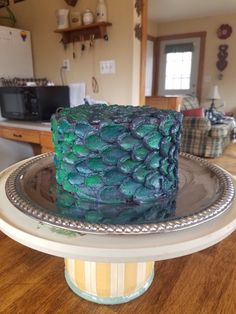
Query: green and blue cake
point(116, 155)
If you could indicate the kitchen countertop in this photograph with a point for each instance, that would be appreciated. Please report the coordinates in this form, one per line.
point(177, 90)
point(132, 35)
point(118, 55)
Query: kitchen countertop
point(32, 125)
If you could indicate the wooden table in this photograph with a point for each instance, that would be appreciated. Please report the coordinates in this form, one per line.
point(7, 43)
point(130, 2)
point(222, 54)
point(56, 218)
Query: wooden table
point(36, 133)
point(178, 289)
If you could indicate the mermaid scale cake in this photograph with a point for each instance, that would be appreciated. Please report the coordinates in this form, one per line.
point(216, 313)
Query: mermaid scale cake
point(116, 155)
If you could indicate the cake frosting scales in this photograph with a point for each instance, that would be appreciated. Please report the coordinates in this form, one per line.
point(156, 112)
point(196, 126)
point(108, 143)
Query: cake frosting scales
point(116, 154)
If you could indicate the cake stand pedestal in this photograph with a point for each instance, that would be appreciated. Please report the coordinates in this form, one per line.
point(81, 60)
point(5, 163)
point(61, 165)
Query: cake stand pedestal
point(108, 283)
point(109, 269)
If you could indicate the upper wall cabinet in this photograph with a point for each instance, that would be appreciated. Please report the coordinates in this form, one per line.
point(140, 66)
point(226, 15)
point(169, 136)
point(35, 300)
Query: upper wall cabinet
point(84, 32)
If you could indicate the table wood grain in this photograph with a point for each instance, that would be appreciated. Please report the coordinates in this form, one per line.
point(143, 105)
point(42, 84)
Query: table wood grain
point(203, 282)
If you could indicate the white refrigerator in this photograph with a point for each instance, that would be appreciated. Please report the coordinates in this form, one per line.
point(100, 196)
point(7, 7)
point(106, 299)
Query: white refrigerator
point(15, 61)
point(15, 53)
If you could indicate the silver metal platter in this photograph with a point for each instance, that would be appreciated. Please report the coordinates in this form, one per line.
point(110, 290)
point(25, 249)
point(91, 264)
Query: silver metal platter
point(205, 192)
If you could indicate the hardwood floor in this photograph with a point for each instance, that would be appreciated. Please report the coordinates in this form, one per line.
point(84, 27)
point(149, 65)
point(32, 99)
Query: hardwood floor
point(202, 283)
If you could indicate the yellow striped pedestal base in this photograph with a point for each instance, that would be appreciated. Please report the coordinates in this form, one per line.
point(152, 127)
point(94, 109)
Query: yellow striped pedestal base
point(108, 283)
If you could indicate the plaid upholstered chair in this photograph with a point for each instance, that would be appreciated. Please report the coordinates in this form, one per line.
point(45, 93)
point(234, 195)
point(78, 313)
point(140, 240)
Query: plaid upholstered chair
point(199, 136)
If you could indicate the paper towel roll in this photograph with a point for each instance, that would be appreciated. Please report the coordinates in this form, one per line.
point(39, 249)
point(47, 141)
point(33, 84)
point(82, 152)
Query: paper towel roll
point(77, 94)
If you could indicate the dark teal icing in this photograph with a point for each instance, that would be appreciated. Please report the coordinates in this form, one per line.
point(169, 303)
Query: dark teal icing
point(117, 154)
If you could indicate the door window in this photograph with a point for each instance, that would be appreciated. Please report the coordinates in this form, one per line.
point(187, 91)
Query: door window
point(178, 66)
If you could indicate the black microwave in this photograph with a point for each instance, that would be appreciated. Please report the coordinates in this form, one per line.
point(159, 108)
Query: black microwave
point(34, 103)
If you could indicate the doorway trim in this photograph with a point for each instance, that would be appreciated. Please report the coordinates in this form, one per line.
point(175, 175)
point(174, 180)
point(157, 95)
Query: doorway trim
point(143, 52)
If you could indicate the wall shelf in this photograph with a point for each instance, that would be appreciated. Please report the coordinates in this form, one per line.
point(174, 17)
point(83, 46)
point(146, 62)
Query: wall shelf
point(84, 32)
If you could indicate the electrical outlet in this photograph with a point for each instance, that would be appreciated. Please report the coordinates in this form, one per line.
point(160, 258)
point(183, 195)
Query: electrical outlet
point(66, 65)
point(108, 67)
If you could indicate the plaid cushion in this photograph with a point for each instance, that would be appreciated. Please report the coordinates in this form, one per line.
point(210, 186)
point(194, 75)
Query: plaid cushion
point(219, 130)
point(215, 147)
point(199, 143)
point(189, 102)
point(201, 138)
point(202, 124)
point(193, 141)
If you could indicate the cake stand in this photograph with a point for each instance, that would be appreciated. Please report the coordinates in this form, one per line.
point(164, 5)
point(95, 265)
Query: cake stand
point(109, 269)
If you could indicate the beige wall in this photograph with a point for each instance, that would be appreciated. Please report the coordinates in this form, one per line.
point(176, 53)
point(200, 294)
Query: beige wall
point(39, 18)
point(210, 25)
point(152, 28)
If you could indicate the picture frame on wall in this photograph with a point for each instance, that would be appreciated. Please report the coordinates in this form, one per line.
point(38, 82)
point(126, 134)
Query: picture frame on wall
point(4, 3)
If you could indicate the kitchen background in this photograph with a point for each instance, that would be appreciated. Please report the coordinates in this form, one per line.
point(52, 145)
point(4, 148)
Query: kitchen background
point(39, 17)
point(48, 53)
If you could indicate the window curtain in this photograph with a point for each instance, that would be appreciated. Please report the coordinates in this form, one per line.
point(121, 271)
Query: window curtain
point(185, 47)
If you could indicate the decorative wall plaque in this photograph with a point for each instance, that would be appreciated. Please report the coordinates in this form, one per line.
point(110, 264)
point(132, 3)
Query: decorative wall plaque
point(139, 6)
point(224, 31)
point(222, 55)
point(138, 31)
point(71, 2)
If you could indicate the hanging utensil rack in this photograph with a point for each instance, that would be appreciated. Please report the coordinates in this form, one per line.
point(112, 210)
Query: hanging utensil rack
point(97, 30)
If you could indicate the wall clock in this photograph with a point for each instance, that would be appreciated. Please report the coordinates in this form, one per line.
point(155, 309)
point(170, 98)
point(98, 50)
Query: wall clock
point(224, 31)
